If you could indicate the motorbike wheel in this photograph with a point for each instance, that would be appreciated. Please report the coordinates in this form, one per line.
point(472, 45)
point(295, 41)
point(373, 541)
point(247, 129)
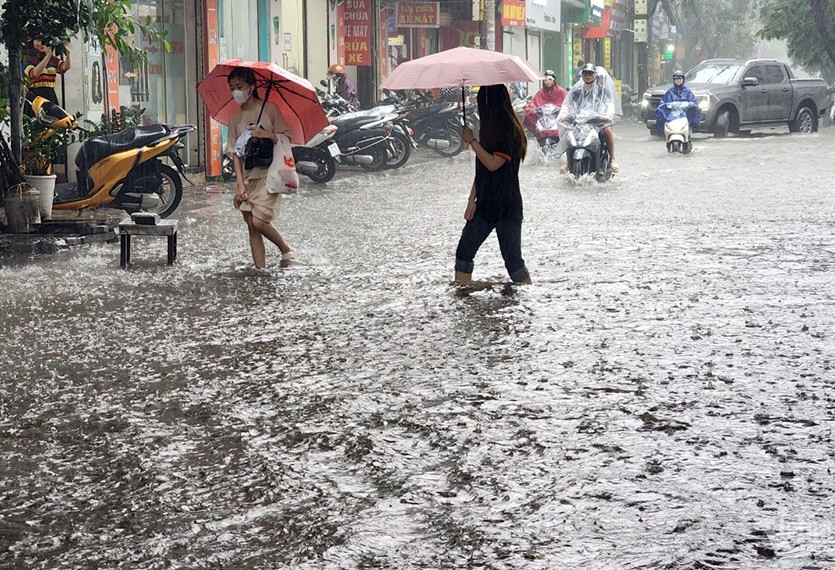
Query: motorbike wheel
point(401, 150)
point(675, 146)
point(456, 143)
point(379, 156)
point(227, 168)
point(580, 167)
point(170, 192)
point(325, 166)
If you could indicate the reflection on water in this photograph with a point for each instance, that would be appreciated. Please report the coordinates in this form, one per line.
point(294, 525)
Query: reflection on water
point(659, 397)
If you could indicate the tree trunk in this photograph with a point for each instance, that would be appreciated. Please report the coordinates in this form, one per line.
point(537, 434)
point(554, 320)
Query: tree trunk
point(15, 84)
point(819, 17)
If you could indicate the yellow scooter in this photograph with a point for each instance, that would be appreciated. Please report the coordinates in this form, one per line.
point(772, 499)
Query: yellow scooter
point(122, 170)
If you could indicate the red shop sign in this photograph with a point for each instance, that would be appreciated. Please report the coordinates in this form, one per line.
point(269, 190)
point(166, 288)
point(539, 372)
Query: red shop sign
point(356, 22)
point(418, 15)
point(513, 13)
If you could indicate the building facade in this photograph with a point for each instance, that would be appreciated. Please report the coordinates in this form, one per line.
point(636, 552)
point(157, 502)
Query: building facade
point(369, 37)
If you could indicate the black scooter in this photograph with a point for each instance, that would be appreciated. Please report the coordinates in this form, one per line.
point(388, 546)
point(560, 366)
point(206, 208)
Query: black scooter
point(587, 151)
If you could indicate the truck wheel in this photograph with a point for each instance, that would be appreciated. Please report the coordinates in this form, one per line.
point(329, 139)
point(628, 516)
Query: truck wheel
point(804, 122)
point(723, 122)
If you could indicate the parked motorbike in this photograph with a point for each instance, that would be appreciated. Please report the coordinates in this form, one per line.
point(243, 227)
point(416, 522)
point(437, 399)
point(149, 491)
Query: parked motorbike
point(363, 139)
point(436, 125)
point(544, 122)
point(317, 159)
point(123, 170)
point(630, 101)
point(402, 141)
point(676, 126)
point(587, 150)
point(520, 106)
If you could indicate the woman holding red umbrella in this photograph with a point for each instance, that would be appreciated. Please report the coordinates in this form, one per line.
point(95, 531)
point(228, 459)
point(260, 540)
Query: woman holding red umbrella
point(259, 207)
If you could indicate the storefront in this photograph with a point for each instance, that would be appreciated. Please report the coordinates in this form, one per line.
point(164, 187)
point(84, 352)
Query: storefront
point(234, 29)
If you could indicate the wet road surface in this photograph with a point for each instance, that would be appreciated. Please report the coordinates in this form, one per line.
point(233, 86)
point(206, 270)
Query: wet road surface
point(660, 397)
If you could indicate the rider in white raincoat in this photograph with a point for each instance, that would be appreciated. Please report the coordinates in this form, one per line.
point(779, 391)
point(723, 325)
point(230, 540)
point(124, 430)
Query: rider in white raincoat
point(595, 91)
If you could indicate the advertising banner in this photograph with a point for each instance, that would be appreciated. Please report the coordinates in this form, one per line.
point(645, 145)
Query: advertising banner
point(418, 14)
point(543, 14)
point(355, 40)
point(513, 13)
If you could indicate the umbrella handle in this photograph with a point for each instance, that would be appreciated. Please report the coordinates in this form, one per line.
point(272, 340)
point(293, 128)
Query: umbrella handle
point(463, 105)
point(264, 103)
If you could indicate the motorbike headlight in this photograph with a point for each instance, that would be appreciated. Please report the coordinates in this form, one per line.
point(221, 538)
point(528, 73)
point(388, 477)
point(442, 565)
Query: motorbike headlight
point(704, 102)
point(645, 101)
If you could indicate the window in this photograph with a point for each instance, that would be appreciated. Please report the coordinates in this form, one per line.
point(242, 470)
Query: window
point(773, 74)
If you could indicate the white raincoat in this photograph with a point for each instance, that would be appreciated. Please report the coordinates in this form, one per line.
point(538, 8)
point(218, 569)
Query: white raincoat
point(599, 96)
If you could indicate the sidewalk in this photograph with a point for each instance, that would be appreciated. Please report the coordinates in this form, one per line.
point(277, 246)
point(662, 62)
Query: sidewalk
point(63, 231)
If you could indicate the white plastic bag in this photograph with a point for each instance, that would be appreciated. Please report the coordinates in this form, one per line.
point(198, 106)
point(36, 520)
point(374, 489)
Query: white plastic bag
point(282, 177)
point(240, 144)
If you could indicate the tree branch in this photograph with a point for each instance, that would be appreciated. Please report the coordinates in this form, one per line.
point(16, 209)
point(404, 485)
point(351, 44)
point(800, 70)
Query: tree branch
point(820, 24)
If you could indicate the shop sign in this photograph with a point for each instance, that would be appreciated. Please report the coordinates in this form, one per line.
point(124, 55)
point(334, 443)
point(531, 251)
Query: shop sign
point(418, 14)
point(543, 14)
point(513, 13)
point(356, 27)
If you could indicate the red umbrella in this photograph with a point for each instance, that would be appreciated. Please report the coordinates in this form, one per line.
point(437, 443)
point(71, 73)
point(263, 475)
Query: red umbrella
point(294, 95)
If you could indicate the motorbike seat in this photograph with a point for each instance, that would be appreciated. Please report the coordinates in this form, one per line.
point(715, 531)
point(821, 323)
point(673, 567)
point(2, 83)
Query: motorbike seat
point(94, 149)
point(349, 123)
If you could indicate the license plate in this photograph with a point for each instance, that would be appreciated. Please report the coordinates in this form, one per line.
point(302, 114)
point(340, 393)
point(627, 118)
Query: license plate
point(333, 148)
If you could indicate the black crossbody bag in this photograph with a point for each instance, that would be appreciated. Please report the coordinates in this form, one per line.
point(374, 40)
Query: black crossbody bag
point(258, 151)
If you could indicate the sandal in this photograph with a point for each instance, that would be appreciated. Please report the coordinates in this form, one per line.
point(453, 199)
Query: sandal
point(614, 166)
point(564, 168)
point(288, 259)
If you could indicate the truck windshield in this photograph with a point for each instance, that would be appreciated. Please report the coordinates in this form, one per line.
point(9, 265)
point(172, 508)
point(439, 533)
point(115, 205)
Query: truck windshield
point(720, 73)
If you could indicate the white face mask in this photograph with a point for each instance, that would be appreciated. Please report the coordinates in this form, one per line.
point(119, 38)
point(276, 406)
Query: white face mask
point(240, 96)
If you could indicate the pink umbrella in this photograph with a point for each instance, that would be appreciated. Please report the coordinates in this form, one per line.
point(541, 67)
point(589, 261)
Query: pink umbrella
point(461, 67)
point(294, 95)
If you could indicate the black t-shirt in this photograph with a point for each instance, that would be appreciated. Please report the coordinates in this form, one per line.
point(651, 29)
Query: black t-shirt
point(497, 193)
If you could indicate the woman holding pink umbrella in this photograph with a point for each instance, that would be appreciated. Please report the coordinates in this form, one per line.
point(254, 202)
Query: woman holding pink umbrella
point(495, 200)
point(260, 208)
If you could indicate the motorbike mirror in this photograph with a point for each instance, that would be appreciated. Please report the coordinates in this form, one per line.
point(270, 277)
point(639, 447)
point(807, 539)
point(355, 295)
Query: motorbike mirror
point(323, 83)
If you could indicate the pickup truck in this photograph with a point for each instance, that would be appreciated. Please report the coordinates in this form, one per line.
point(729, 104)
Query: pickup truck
point(736, 96)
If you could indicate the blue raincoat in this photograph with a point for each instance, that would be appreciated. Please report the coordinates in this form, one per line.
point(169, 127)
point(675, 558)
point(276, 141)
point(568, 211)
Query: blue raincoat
point(664, 113)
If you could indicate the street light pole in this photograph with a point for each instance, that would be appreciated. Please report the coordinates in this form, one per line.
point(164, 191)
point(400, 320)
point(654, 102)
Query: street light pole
point(488, 26)
point(641, 30)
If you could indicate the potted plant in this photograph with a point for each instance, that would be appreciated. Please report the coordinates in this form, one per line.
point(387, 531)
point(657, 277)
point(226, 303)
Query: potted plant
point(41, 146)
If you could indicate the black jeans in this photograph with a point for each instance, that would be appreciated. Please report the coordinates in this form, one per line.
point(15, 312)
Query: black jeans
point(510, 244)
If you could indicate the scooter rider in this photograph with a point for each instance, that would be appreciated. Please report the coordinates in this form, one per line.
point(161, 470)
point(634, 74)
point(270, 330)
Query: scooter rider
point(678, 92)
point(595, 92)
point(345, 88)
point(551, 93)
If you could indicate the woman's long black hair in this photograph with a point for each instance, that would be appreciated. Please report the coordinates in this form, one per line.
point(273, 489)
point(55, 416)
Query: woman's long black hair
point(497, 119)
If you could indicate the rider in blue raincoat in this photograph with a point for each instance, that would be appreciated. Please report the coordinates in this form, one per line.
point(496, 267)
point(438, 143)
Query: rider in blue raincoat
point(678, 92)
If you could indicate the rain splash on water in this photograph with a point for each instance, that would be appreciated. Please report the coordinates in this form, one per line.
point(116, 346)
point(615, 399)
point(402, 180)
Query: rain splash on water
point(660, 397)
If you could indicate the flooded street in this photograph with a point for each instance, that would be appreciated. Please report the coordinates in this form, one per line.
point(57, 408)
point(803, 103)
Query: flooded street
point(662, 396)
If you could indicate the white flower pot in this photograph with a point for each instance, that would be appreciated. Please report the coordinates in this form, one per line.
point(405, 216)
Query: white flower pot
point(22, 209)
point(46, 186)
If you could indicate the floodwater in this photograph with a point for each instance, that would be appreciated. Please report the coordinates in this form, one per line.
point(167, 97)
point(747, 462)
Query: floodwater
point(660, 397)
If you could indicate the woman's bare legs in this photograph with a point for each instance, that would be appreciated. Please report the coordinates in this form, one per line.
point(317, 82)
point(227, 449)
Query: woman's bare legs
point(258, 230)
